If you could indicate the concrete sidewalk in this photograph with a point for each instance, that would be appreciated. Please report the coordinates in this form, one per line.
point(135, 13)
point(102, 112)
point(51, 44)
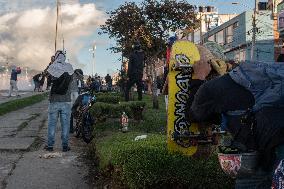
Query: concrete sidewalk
point(65, 171)
point(22, 163)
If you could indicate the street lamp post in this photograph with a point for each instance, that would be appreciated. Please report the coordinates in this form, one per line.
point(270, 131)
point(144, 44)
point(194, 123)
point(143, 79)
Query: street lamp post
point(93, 52)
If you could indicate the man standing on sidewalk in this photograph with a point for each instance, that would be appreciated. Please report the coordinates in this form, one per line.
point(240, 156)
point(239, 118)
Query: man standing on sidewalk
point(59, 100)
point(13, 80)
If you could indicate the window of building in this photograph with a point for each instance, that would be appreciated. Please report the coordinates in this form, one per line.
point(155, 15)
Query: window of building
point(235, 25)
point(229, 34)
point(220, 37)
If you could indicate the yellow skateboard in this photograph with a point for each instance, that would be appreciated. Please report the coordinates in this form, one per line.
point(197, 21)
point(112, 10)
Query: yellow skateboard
point(183, 56)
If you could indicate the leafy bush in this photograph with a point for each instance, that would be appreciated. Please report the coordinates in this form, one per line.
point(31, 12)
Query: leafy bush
point(99, 94)
point(108, 99)
point(101, 110)
point(147, 164)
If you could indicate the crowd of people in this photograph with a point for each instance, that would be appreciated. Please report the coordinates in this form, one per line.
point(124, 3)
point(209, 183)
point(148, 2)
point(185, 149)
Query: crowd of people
point(99, 84)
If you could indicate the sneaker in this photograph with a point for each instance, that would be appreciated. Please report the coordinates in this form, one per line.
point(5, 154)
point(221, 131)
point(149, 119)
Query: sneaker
point(66, 149)
point(48, 148)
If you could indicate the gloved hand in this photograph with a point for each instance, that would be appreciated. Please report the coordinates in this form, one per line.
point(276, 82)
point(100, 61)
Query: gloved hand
point(219, 66)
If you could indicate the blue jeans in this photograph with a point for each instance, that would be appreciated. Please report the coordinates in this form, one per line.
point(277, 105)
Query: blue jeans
point(63, 109)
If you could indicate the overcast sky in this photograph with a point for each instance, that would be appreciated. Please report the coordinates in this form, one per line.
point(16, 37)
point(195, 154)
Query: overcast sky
point(27, 31)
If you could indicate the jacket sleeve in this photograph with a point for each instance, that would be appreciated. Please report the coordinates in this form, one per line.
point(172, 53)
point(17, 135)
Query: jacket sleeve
point(201, 106)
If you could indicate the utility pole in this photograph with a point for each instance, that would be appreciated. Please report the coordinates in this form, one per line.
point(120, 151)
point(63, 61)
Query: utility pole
point(56, 25)
point(254, 28)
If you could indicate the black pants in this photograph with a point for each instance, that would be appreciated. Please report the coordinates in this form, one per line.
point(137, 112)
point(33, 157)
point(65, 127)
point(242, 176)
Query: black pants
point(130, 83)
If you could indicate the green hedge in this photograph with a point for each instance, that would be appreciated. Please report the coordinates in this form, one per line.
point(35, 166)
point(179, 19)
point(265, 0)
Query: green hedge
point(147, 164)
point(21, 103)
point(107, 94)
point(101, 110)
point(108, 99)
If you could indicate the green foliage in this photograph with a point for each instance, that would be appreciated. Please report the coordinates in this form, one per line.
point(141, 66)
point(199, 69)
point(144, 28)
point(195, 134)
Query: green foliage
point(108, 99)
point(147, 164)
point(21, 103)
point(149, 22)
point(101, 110)
point(100, 94)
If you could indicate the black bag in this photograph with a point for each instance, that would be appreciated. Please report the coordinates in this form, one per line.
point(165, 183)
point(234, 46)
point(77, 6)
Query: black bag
point(241, 124)
point(61, 84)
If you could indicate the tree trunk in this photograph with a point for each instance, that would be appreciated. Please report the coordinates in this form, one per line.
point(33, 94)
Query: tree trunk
point(154, 85)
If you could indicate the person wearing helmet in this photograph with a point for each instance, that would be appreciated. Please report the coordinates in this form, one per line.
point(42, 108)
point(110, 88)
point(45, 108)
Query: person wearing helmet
point(135, 70)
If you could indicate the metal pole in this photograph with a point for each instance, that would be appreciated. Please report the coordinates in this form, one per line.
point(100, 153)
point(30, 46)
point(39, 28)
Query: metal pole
point(94, 48)
point(253, 30)
point(56, 27)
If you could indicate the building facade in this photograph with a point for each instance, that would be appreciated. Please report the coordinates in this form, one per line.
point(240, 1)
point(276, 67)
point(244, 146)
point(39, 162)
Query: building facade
point(236, 37)
point(209, 19)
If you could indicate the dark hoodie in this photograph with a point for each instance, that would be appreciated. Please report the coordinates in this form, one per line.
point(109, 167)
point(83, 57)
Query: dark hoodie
point(136, 64)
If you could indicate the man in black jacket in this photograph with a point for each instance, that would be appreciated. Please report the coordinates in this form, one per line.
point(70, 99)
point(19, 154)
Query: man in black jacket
point(135, 70)
point(208, 100)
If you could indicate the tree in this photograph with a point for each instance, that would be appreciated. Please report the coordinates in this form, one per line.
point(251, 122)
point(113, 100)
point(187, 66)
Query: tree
point(150, 23)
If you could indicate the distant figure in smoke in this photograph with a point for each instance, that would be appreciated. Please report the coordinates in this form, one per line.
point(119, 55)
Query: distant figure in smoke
point(13, 81)
point(41, 82)
point(36, 80)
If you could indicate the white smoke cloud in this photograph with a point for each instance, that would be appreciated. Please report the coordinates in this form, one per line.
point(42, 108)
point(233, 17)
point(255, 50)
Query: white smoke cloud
point(28, 35)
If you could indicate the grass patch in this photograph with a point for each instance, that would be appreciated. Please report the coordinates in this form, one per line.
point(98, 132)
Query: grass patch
point(21, 103)
point(147, 163)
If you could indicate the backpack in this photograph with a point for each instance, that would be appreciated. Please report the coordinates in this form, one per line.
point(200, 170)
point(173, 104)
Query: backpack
point(60, 85)
point(264, 80)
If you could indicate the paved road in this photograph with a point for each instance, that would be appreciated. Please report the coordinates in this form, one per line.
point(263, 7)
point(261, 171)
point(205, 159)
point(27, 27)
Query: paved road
point(22, 162)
